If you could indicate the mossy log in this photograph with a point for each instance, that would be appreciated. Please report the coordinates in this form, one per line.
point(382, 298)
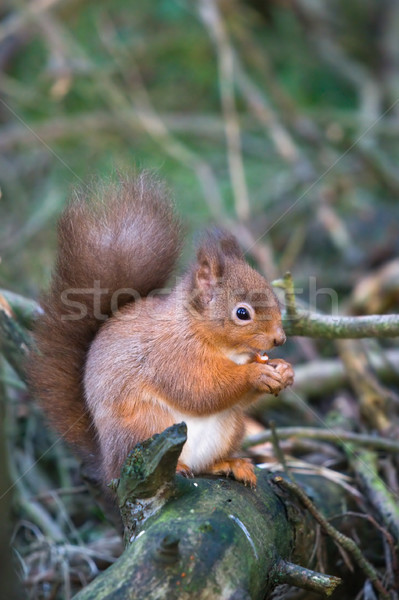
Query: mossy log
point(203, 537)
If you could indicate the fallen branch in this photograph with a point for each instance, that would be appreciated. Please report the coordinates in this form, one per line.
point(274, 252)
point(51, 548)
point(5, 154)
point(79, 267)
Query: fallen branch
point(202, 537)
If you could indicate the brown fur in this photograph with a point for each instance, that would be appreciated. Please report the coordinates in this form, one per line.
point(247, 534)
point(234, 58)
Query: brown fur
point(123, 236)
point(158, 360)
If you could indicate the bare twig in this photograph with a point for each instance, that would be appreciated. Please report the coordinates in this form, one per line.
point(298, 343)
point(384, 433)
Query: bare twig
point(306, 579)
point(288, 112)
point(372, 396)
point(391, 557)
point(156, 128)
point(99, 121)
point(320, 32)
point(278, 452)
point(14, 341)
point(339, 437)
point(16, 21)
point(290, 304)
point(323, 376)
point(347, 543)
point(364, 463)
point(261, 251)
point(25, 309)
point(283, 141)
point(209, 12)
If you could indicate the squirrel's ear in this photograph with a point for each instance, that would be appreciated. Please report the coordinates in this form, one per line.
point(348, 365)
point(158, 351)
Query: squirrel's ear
point(209, 269)
point(217, 246)
point(229, 245)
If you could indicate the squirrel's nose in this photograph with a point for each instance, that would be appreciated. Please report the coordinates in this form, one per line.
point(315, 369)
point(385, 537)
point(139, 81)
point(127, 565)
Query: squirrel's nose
point(279, 337)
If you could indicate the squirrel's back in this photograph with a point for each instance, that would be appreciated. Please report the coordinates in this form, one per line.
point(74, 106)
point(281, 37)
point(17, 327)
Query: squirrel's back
point(119, 241)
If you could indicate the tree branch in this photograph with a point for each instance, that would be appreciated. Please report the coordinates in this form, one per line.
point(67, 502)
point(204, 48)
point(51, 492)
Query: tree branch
point(306, 579)
point(337, 436)
point(333, 327)
point(300, 322)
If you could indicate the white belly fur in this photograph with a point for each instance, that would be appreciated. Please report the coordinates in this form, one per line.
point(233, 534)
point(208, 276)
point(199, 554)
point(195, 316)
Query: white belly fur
point(206, 437)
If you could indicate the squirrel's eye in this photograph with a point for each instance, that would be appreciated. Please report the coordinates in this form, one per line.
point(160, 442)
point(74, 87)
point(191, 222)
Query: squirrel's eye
point(243, 313)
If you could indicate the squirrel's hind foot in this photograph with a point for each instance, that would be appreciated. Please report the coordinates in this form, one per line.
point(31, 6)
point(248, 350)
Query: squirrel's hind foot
point(183, 469)
point(240, 468)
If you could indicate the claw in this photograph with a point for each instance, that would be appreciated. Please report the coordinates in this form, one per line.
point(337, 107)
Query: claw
point(183, 469)
point(241, 469)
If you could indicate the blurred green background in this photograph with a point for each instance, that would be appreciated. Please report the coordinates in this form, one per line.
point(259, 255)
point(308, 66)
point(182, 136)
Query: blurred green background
point(307, 91)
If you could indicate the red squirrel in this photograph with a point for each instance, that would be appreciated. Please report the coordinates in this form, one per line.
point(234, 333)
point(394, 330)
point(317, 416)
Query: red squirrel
point(120, 359)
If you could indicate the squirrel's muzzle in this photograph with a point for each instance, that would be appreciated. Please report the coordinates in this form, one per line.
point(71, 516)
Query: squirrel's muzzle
point(279, 337)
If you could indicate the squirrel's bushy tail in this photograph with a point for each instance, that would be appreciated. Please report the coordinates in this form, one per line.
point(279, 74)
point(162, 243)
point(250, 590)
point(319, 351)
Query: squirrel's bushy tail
point(123, 235)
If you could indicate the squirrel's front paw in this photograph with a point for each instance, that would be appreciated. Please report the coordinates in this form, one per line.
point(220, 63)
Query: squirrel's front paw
point(284, 369)
point(273, 376)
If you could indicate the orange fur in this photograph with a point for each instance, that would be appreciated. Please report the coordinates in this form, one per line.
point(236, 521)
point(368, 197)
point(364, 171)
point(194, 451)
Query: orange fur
point(240, 468)
point(110, 379)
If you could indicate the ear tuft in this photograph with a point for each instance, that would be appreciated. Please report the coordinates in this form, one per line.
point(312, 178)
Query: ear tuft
point(216, 246)
point(229, 245)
